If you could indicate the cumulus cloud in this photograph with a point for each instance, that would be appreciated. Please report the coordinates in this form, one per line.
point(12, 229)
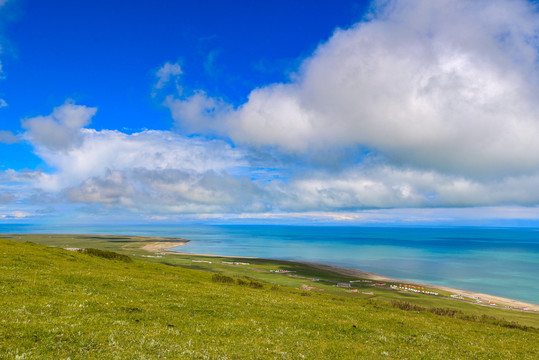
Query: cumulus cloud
point(166, 73)
point(199, 112)
point(112, 188)
point(159, 172)
point(149, 171)
point(7, 137)
point(447, 85)
point(370, 187)
point(17, 186)
point(60, 130)
point(170, 191)
point(162, 172)
point(21, 176)
point(99, 152)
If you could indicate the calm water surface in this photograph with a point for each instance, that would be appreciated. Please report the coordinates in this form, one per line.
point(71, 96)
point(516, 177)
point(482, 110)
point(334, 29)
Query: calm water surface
point(502, 262)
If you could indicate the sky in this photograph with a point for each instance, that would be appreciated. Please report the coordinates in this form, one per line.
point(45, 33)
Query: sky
point(383, 112)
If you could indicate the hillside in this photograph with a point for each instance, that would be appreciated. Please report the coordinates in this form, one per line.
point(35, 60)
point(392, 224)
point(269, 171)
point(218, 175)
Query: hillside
point(58, 304)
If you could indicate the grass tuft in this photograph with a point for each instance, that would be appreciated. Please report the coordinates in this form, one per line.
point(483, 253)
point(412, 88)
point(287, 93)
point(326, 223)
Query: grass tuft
point(484, 319)
point(111, 255)
point(222, 279)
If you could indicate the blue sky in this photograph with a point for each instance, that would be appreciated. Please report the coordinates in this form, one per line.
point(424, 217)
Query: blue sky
point(346, 112)
point(106, 54)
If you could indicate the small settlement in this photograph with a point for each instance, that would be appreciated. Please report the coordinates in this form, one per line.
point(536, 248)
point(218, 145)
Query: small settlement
point(413, 288)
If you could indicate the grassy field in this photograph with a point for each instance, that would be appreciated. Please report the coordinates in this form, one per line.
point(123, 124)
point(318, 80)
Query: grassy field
point(61, 304)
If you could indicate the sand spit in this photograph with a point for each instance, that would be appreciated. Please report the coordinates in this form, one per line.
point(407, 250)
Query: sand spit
point(148, 243)
point(163, 247)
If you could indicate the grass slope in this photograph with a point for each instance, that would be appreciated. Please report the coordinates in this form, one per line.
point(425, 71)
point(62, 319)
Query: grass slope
point(258, 268)
point(59, 304)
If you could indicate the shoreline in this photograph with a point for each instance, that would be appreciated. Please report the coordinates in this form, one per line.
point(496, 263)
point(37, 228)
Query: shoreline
point(500, 301)
point(467, 293)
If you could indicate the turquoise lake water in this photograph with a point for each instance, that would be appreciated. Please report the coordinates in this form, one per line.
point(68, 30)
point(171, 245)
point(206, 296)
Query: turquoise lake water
point(502, 262)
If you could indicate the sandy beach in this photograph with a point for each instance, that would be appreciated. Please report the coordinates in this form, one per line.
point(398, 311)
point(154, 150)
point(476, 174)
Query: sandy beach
point(163, 247)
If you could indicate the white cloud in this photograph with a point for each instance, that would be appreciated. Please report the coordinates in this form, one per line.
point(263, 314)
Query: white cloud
point(60, 130)
point(382, 186)
point(161, 172)
point(22, 176)
point(170, 191)
point(19, 214)
point(112, 188)
point(166, 73)
point(149, 171)
point(447, 85)
point(500, 215)
point(199, 113)
point(15, 215)
point(100, 152)
point(3, 103)
point(158, 218)
point(7, 137)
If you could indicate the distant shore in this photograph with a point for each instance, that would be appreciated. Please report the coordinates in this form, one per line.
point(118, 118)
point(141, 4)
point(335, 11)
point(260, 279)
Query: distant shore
point(165, 247)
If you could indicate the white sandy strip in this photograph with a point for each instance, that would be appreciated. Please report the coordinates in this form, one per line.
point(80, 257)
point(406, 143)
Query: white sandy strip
point(163, 246)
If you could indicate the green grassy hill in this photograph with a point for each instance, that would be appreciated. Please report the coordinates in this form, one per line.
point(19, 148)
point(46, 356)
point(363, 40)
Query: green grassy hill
point(59, 304)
